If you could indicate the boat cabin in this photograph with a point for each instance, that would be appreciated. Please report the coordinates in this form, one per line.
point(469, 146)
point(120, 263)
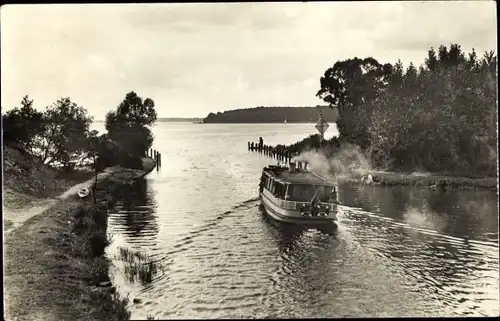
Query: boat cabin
point(297, 186)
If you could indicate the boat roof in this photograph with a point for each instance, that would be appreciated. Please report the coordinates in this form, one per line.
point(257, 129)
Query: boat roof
point(283, 175)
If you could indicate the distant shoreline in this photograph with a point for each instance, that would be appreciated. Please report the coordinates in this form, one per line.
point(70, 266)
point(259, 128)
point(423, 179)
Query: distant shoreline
point(167, 120)
point(273, 115)
point(242, 123)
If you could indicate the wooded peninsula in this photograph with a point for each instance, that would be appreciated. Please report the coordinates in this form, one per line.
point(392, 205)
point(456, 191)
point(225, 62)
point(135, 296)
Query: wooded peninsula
point(273, 115)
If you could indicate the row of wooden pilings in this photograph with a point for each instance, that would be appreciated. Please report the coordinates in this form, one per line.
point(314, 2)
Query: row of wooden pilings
point(156, 155)
point(273, 152)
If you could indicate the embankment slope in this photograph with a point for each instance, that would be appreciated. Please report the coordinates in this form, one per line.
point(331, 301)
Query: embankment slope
point(43, 278)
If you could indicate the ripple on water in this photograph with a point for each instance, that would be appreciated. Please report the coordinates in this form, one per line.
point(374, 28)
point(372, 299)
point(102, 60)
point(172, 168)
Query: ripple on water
point(224, 259)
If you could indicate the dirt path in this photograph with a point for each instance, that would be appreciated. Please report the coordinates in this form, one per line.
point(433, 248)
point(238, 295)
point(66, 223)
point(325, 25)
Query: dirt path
point(15, 216)
point(42, 279)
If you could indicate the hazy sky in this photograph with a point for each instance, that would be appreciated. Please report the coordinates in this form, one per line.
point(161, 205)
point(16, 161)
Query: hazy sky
point(193, 59)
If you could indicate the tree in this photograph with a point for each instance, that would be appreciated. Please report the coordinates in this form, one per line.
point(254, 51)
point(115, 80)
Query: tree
point(65, 138)
point(22, 125)
point(431, 61)
point(351, 85)
point(441, 117)
point(127, 126)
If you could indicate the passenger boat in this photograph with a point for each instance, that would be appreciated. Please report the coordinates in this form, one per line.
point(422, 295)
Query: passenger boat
point(292, 194)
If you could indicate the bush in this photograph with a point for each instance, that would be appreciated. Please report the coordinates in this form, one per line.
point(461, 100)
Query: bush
point(131, 162)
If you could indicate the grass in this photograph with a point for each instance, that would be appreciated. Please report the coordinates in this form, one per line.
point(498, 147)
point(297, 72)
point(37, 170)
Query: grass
point(128, 255)
point(139, 266)
point(391, 179)
point(89, 225)
point(52, 267)
point(54, 261)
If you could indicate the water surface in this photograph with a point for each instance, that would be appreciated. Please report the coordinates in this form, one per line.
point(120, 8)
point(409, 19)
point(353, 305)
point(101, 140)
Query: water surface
point(398, 251)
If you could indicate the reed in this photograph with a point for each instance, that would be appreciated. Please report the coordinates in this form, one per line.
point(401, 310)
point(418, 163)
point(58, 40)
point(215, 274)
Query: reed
point(139, 266)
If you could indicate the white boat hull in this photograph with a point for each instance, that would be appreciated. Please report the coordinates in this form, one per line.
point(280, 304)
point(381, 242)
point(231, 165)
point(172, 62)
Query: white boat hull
point(273, 207)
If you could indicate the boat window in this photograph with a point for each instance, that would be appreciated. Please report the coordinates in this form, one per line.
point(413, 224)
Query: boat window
point(305, 193)
point(280, 190)
point(273, 186)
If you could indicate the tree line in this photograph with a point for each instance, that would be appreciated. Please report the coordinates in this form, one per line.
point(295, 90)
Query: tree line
point(440, 116)
point(61, 136)
point(272, 115)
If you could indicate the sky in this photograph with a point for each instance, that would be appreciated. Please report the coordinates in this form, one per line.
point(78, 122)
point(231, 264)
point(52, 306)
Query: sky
point(193, 59)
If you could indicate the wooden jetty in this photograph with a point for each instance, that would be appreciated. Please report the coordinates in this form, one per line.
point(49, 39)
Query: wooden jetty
point(156, 155)
point(279, 154)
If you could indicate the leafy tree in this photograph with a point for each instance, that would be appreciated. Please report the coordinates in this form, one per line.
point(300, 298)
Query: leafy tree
point(65, 138)
point(22, 125)
point(127, 126)
point(441, 117)
point(431, 61)
point(351, 85)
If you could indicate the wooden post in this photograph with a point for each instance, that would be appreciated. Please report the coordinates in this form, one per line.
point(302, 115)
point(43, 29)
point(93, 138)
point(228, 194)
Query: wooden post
point(94, 188)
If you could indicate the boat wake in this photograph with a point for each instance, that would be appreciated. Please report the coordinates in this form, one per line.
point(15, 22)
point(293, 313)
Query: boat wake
point(180, 244)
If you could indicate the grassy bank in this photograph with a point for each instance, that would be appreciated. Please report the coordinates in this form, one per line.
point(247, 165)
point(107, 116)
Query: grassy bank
point(27, 181)
point(54, 263)
point(339, 158)
point(432, 180)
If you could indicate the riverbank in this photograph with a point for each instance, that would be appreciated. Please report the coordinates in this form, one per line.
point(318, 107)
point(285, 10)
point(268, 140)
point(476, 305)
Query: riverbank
point(54, 265)
point(352, 165)
point(426, 179)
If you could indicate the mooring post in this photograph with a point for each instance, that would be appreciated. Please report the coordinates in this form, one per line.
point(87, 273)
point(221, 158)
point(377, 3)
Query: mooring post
point(94, 188)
